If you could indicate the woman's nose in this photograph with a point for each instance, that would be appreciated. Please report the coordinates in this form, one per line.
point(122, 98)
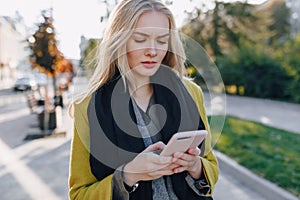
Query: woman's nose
point(151, 51)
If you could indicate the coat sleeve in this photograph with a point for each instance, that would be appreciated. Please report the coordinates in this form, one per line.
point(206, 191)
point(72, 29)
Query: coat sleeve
point(209, 160)
point(82, 183)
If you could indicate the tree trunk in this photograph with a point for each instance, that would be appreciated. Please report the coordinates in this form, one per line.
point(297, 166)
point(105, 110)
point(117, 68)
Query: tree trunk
point(54, 84)
point(46, 110)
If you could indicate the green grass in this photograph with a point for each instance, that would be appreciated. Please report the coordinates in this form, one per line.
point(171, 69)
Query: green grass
point(269, 152)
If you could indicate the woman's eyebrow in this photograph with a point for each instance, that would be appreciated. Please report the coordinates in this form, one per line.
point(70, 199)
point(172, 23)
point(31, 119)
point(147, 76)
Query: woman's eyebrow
point(146, 35)
point(164, 35)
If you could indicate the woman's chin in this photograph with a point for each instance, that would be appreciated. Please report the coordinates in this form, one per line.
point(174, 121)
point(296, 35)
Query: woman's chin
point(146, 71)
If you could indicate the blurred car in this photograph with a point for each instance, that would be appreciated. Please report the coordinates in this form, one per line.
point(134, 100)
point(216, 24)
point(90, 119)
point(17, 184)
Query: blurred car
point(25, 83)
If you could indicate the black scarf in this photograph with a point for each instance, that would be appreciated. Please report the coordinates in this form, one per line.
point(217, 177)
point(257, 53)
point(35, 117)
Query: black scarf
point(115, 138)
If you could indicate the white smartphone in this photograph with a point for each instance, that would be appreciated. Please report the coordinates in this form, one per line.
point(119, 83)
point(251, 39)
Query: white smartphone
point(182, 141)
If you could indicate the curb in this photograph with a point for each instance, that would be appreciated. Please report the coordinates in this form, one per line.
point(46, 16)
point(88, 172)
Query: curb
point(250, 180)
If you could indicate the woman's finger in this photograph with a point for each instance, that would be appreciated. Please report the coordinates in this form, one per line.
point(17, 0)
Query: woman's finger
point(183, 156)
point(154, 147)
point(194, 151)
point(171, 166)
point(179, 169)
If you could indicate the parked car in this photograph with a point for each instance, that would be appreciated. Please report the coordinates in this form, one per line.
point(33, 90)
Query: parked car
point(25, 83)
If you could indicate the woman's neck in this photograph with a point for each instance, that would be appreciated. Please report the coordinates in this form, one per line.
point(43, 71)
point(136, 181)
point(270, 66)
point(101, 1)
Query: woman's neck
point(142, 96)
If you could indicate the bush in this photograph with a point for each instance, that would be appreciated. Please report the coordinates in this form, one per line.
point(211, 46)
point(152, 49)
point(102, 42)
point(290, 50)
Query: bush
point(254, 70)
point(287, 54)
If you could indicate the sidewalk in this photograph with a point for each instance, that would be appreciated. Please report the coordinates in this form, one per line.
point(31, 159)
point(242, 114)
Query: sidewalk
point(38, 169)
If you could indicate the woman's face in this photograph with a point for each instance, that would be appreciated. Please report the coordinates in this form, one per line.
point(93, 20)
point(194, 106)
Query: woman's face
point(148, 45)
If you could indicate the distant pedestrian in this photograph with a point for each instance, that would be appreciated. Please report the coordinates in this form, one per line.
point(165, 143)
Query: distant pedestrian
point(137, 99)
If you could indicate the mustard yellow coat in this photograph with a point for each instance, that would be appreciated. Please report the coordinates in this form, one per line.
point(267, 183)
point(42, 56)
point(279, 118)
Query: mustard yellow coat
point(84, 185)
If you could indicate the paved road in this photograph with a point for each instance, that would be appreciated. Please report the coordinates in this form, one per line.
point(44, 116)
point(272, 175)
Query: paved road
point(38, 169)
point(277, 114)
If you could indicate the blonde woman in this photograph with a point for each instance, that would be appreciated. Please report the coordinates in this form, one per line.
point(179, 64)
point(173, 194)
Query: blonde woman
point(137, 99)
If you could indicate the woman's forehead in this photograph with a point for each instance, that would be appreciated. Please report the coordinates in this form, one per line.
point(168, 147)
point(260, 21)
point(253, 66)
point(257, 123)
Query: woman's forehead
point(153, 20)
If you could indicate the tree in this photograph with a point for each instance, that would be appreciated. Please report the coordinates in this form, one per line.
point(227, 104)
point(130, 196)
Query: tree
point(45, 54)
point(46, 57)
point(281, 15)
point(88, 61)
point(220, 29)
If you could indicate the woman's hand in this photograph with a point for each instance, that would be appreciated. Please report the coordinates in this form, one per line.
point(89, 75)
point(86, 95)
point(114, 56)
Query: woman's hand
point(148, 165)
point(189, 161)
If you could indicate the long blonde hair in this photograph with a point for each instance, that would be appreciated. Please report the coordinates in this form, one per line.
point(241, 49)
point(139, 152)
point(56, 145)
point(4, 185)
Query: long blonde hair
point(110, 52)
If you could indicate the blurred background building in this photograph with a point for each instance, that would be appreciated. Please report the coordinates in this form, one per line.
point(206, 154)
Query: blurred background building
point(13, 51)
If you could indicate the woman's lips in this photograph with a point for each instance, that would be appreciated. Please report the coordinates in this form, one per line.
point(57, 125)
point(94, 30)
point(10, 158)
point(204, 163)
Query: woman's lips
point(149, 64)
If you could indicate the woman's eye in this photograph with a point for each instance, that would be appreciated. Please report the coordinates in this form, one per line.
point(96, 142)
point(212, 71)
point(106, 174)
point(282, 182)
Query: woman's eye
point(139, 40)
point(162, 42)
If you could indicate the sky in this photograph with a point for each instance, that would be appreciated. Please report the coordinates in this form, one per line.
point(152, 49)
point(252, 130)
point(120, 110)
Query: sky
point(72, 19)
